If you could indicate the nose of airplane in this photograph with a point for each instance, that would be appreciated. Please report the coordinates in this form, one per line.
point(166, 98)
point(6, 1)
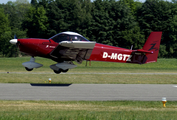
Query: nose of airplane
point(13, 41)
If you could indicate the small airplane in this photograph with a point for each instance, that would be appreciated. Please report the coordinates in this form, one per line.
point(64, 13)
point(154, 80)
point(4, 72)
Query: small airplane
point(66, 47)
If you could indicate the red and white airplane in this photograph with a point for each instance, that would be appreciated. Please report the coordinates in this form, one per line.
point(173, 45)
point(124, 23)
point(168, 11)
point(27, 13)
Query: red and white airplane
point(66, 47)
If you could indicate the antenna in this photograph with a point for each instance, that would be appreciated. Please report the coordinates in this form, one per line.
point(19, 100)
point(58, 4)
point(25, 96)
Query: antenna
point(131, 47)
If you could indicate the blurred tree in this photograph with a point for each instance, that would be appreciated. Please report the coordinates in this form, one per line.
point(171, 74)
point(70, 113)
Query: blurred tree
point(33, 3)
point(114, 24)
point(65, 15)
point(36, 22)
point(16, 12)
point(5, 35)
point(131, 4)
point(120, 23)
point(156, 15)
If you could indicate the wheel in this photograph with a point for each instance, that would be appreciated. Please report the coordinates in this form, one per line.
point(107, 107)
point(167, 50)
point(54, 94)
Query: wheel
point(28, 69)
point(57, 72)
point(65, 70)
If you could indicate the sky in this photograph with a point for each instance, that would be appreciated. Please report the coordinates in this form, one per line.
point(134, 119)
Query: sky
point(5, 1)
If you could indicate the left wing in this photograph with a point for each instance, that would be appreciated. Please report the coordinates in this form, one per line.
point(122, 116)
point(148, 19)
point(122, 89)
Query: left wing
point(73, 50)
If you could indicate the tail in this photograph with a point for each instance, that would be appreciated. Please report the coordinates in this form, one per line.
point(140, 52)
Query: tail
point(152, 45)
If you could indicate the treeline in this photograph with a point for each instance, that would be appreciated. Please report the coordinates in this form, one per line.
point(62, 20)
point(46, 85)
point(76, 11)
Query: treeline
point(119, 23)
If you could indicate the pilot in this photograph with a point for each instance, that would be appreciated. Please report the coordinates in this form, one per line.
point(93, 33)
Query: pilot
point(69, 39)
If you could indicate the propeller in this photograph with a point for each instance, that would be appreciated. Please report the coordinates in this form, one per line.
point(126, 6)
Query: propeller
point(15, 37)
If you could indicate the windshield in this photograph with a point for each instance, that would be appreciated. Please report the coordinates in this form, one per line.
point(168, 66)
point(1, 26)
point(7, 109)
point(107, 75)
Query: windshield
point(65, 37)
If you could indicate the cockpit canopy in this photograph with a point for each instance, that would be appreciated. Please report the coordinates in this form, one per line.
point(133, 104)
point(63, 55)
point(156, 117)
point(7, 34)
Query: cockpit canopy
point(68, 36)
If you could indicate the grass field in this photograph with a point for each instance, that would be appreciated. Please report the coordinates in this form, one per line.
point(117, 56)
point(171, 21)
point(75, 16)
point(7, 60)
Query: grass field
point(162, 72)
point(111, 73)
point(86, 110)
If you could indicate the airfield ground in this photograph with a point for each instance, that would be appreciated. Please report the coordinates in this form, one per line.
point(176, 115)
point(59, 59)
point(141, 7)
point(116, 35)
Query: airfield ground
point(162, 72)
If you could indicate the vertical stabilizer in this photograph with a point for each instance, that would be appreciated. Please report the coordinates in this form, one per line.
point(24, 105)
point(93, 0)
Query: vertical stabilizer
point(152, 44)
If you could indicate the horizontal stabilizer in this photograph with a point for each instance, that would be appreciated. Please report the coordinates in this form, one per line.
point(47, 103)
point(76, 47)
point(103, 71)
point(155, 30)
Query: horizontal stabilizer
point(143, 51)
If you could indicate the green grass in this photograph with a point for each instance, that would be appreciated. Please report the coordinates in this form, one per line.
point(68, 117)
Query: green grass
point(90, 74)
point(162, 65)
point(79, 110)
point(89, 79)
point(88, 110)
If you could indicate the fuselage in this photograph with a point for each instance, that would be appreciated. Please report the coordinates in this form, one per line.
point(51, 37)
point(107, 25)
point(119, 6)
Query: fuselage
point(101, 52)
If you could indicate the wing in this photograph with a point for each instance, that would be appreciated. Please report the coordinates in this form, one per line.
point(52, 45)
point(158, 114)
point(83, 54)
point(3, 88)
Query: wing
point(73, 50)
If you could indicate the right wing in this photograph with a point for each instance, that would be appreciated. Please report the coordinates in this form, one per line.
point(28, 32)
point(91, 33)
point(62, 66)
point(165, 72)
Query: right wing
point(73, 50)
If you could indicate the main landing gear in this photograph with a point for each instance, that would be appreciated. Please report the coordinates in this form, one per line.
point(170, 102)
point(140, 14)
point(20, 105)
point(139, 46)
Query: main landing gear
point(62, 67)
point(60, 70)
point(57, 68)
